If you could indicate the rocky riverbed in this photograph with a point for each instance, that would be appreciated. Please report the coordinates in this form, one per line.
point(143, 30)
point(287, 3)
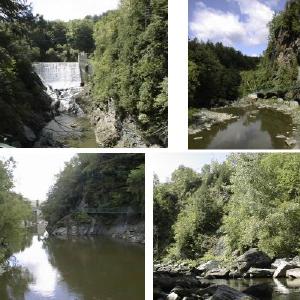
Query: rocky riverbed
point(251, 116)
point(175, 281)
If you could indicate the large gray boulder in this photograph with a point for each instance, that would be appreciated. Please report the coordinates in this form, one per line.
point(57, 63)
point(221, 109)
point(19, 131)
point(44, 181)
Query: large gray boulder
point(253, 258)
point(217, 273)
point(283, 268)
point(260, 273)
point(210, 265)
point(294, 273)
point(225, 292)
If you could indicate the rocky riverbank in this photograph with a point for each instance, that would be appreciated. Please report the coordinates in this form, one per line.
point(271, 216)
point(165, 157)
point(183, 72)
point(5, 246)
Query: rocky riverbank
point(175, 281)
point(129, 229)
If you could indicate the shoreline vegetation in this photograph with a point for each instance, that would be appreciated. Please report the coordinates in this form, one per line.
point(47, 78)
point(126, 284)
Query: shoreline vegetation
point(125, 95)
point(234, 220)
point(270, 81)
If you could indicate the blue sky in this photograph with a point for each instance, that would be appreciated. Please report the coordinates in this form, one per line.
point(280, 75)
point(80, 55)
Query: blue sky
point(164, 164)
point(241, 24)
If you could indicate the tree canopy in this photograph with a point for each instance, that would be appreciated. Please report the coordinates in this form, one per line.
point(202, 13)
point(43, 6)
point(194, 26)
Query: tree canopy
point(250, 200)
point(97, 181)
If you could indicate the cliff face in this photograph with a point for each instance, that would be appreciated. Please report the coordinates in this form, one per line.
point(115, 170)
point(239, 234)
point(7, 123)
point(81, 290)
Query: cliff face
point(282, 57)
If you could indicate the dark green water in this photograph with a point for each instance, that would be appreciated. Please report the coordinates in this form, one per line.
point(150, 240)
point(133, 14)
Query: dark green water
point(254, 129)
point(283, 289)
point(82, 268)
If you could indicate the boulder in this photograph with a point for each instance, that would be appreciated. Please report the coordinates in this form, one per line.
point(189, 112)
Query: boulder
point(296, 261)
point(294, 273)
point(60, 231)
point(224, 292)
point(283, 268)
point(173, 296)
point(294, 104)
point(260, 291)
point(29, 134)
point(217, 273)
point(260, 273)
point(253, 258)
point(253, 96)
point(210, 265)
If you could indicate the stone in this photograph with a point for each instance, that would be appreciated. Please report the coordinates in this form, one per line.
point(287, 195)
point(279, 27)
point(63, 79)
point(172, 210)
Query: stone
point(282, 269)
point(260, 273)
point(225, 292)
point(253, 258)
point(260, 291)
point(216, 273)
point(29, 134)
point(277, 262)
point(60, 231)
point(280, 136)
point(296, 261)
point(173, 296)
point(253, 96)
point(210, 265)
point(294, 104)
point(290, 142)
point(294, 273)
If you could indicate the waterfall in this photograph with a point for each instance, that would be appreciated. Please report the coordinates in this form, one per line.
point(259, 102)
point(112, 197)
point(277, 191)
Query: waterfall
point(59, 75)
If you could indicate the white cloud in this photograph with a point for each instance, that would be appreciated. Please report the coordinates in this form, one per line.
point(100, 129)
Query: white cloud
point(71, 9)
point(229, 28)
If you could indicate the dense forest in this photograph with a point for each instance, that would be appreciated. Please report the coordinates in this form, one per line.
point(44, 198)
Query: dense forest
point(15, 210)
point(250, 200)
point(214, 78)
point(97, 181)
point(127, 48)
point(215, 73)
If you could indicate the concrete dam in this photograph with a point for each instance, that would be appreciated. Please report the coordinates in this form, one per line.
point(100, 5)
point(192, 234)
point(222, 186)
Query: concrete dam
point(59, 75)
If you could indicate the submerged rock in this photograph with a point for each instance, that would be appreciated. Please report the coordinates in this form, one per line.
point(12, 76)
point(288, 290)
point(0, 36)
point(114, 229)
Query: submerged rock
point(260, 291)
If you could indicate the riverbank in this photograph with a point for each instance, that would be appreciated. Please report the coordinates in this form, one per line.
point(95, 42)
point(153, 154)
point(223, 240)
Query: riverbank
point(204, 122)
point(191, 279)
point(128, 229)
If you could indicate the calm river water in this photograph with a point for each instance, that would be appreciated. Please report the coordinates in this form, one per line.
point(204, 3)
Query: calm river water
point(82, 268)
point(283, 289)
point(254, 129)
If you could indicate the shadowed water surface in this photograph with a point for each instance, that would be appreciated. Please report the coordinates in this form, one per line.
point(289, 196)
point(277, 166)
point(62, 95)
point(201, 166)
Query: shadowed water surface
point(283, 289)
point(89, 269)
point(254, 129)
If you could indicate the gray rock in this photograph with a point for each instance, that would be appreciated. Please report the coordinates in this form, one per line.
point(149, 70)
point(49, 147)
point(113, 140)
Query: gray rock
point(294, 104)
point(173, 296)
point(296, 261)
point(225, 292)
point(253, 96)
point(294, 273)
point(260, 273)
point(217, 273)
point(60, 231)
point(290, 142)
point(29, 134)
point(210, 265)
point(253, 258)
point(260, 291)
point(282, 269)
point(277, 262)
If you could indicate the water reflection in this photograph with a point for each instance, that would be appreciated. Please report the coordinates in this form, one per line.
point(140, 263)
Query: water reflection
point(93, 269)
point(255, 129)
point(283, 288)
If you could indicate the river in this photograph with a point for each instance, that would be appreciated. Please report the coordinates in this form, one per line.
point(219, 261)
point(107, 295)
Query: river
point(97, 268)
point(283, 289)
point(253, 129)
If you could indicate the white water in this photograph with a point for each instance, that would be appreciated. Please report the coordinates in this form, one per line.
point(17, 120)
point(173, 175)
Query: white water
point(59, 75)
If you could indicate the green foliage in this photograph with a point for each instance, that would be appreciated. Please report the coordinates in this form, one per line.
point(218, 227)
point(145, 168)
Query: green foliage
point(264, 209)
point(277, 69)
point(97, 181)
point(250, 200)
point(14, 211)
point(214, 73)
point(130, 63)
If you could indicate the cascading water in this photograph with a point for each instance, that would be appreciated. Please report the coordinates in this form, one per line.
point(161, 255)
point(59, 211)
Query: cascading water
point(63, 83)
